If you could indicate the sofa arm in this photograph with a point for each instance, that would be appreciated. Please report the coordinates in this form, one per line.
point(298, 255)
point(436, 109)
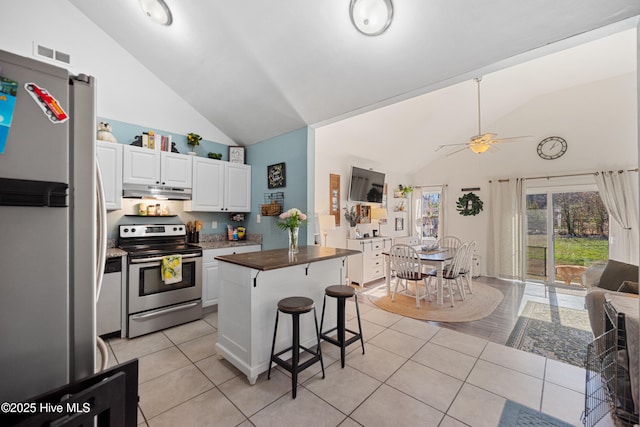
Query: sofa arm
point(629, 287)
point(594, 301)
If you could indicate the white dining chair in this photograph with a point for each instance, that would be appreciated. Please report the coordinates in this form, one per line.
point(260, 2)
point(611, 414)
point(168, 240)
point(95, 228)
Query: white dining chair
point(465, 271)
point(451, 275)
point(449, 242)
point(405, 261)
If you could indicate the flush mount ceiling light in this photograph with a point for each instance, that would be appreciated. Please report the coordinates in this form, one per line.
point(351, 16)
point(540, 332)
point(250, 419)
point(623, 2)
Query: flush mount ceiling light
point(371, 17)
point(157, 10)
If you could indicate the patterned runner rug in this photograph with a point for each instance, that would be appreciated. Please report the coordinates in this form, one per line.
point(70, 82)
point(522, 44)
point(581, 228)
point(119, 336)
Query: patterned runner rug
point(515, 414)
point(555, 332)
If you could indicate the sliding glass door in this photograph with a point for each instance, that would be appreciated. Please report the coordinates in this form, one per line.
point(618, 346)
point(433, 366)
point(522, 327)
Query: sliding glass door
point(567, 232)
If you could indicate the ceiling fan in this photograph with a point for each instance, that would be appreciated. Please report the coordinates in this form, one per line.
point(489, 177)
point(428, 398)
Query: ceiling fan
point(481, 142)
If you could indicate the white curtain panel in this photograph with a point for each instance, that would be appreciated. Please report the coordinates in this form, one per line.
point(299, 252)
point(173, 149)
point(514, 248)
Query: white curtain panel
point(619, 193)
point(506, 232)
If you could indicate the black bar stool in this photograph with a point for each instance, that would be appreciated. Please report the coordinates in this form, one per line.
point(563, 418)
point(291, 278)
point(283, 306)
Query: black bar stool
point(341, 292)
point(295, 306)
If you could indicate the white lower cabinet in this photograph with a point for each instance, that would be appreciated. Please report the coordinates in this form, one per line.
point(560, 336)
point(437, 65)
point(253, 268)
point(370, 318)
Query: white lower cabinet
point(369, 265)
point(210, 272)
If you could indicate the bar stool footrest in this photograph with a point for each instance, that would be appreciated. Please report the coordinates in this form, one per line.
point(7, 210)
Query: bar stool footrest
point(301, 366)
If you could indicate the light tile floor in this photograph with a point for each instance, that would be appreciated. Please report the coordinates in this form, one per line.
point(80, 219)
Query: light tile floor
point(413, 373)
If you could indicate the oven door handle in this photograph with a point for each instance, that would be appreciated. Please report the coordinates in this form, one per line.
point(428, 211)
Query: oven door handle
point(145, 260)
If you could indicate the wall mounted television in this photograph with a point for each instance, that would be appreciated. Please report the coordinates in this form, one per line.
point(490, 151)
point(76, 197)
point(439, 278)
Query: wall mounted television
point(366, 185)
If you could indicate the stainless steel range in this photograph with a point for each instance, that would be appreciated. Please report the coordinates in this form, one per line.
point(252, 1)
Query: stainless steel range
point(153, 305)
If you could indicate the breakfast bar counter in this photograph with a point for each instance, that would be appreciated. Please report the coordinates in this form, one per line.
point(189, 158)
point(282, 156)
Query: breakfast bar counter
point(251, 286)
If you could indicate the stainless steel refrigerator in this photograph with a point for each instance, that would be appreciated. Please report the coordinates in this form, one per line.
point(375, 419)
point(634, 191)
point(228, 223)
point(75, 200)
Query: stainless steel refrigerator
point(48, 254)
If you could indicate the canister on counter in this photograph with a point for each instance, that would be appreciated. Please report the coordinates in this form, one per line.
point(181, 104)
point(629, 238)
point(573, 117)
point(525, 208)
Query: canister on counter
point(142, 209)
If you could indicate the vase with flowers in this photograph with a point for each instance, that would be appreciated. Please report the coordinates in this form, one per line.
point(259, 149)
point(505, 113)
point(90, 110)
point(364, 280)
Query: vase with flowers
point(193, 139)
point(352, 216)
point(291, 221)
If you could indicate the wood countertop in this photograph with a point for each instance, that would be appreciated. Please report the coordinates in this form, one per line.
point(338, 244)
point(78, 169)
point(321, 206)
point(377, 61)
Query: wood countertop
point(279, 258)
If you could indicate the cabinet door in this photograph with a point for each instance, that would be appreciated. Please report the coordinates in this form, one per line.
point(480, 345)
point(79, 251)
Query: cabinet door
point(175, 169)
point(211, 272)
point(109, 157)
point(237, 196)
point(210, 285)
point(141, 166)
point(208, 186)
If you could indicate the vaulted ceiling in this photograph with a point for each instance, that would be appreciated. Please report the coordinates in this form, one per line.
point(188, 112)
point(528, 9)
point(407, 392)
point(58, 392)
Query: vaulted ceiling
point(257, 69)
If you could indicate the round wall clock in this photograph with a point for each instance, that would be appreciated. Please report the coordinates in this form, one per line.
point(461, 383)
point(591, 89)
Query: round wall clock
point(552, 148)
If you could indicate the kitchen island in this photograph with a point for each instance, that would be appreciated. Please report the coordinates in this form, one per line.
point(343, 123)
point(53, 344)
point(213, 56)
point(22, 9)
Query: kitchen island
point(251, 286)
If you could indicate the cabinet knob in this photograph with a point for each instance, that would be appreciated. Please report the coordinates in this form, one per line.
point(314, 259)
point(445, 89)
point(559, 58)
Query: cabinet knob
point(157, 182)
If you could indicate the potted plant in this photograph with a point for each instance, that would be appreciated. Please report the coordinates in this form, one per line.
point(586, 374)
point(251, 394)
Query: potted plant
point(193, 139)
point(402, 191)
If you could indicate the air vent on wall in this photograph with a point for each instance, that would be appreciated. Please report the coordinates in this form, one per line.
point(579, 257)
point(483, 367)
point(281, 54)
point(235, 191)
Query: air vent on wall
point(49, 54)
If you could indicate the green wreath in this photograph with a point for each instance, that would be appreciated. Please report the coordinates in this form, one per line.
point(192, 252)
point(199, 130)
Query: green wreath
point(469, 205)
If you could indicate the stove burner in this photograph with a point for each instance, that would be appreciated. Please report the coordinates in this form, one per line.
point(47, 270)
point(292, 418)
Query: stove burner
point(144, 241)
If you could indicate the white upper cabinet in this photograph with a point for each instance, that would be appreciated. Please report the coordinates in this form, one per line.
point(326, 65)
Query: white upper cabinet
point(237, 196)
point(208, 186)
point(154, 167)
point(109, 156)
point(220, 186)
point(175, 169)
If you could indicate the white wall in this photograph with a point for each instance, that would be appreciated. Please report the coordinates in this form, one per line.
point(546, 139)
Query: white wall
point(598, 120)
point(331, 162)
point(127, 91)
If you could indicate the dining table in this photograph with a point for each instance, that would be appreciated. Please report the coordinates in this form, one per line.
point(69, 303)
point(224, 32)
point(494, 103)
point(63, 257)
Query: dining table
point(436, 257)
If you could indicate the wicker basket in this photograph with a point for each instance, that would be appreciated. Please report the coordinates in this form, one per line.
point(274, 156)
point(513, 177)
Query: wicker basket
point(271, 209)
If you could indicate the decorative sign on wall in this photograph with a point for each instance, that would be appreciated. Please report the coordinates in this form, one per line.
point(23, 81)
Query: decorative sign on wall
point(469, 205)
point(334, 197)
point(276, 176)
point(399, 224)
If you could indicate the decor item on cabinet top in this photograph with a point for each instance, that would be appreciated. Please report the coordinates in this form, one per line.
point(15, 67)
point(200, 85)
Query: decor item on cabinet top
point(351, 215)
point(105, 132)
point(215, 156)
point(193, 139)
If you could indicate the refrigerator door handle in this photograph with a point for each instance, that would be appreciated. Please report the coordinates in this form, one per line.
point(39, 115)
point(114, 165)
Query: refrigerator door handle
point(101, 258)
point(102, 231)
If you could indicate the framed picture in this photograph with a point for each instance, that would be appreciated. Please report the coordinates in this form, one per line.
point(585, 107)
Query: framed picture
point(334, 197)
point(276, 175)
point(399, 224)
point(236, 154)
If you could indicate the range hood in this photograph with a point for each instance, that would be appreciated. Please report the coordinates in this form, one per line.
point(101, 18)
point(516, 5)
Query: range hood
point(140, 191)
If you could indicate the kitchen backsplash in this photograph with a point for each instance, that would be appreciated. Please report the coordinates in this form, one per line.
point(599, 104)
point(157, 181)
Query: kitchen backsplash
point(126, 216)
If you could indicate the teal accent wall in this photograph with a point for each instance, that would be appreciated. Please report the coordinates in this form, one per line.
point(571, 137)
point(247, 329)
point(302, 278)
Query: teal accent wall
point(125, 133)
point(292, 149)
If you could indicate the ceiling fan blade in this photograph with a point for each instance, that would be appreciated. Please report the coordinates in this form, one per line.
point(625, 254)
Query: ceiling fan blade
point(451, 145)
point(457, 151)
point(512, 138)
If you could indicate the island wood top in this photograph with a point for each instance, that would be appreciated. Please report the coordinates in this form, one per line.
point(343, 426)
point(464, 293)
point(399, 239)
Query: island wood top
point(279, 258)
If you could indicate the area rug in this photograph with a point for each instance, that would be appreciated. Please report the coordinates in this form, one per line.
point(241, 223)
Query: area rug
point(557, 333)
point(515, 414)
point(476, 306)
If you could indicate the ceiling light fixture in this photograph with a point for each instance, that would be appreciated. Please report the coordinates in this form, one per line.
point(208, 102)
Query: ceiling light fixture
point(371, 17)
point(157, 10)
